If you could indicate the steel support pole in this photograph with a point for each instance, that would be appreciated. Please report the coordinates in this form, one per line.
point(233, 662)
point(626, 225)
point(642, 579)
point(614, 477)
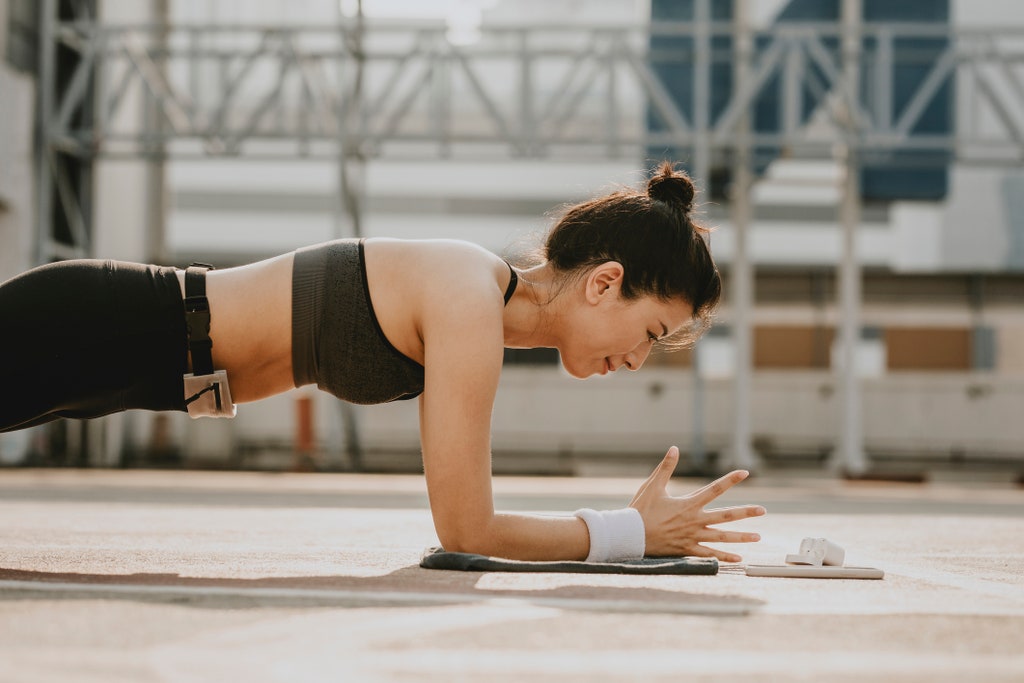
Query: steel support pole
point(850, 457)
point(701, 170)
point(44, 119)
point(741, 454)
point(156, 168)
point(351, 187)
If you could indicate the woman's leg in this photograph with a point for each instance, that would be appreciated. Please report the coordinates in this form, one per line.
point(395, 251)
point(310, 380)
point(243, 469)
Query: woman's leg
point(87, 338)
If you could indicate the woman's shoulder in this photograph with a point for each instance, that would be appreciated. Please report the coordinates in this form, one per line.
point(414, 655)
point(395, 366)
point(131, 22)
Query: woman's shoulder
point(431, 248)
point(446, 272)
point(443, 259)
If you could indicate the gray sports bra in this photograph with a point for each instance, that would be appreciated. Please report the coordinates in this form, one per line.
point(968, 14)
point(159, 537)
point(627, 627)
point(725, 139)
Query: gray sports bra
point(337, 341)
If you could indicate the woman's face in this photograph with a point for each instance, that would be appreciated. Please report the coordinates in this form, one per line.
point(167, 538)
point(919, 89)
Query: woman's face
point(606, 332)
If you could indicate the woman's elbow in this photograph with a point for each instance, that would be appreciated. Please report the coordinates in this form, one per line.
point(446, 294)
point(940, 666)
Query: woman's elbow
point(466, 540)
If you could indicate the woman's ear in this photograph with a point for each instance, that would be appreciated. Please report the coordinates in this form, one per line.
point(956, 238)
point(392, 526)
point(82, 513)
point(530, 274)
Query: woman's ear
point(604, 281)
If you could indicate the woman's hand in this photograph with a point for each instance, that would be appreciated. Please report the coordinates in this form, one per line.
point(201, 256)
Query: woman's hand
point(678, 526)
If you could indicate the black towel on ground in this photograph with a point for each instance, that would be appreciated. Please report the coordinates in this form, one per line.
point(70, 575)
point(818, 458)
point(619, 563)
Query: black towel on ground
point(439, 558)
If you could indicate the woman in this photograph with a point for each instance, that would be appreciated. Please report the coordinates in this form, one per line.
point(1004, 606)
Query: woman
point(379, 320)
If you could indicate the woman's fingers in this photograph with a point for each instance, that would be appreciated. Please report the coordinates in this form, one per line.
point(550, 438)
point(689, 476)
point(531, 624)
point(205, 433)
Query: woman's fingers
point(719, 536)
point(731, 514)
point(667, 463)
point(660, 476)
point(663, 470)
point(723, 555)
point(666, 468)
point(719, 486)
point(679, 525)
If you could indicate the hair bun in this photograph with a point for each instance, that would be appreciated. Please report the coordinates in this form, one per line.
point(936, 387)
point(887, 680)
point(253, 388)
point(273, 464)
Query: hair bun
point(672, 186)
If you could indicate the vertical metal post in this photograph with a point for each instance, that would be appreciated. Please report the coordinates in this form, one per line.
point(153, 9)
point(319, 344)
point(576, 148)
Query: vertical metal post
point(741, 454)
point(347, 203)
point(525, 95)
point(156, 150)
point(982, 351)
point(850, 456)
point(701, 171)
point(46, 85)
point(349, 154)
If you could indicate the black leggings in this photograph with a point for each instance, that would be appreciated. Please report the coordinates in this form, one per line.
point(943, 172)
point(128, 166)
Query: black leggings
point(87, 338)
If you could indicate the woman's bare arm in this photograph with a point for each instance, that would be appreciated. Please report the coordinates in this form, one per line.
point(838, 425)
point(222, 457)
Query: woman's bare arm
point(463, 342)
point(463, 345)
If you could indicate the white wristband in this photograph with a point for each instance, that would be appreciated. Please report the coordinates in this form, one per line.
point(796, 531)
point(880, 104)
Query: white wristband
point(615, 535)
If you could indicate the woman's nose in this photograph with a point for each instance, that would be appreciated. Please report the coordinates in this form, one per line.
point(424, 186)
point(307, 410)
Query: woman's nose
point(634, 360)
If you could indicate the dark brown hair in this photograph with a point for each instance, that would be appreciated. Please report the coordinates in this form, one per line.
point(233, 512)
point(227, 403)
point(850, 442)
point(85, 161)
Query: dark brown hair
point(662, 250)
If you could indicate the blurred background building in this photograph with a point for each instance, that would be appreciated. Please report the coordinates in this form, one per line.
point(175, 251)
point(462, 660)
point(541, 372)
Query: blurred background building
point(859, 160)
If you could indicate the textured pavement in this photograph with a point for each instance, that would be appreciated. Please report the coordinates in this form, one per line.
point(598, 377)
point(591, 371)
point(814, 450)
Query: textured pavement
point(135, 576)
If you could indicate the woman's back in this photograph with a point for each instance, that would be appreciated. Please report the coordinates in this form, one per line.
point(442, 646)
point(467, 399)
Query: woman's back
point(252, 306)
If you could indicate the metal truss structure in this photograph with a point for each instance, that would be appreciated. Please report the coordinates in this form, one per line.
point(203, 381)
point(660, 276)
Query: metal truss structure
point(391, 90)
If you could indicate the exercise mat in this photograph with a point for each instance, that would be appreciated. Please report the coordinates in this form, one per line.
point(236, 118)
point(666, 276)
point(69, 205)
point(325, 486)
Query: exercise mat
point(439, 558)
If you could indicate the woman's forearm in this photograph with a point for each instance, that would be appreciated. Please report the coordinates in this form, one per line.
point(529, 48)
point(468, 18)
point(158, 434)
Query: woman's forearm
point(531, 537)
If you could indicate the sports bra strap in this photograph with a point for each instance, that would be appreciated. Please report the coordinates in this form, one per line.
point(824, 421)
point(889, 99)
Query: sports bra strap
point(513, 281)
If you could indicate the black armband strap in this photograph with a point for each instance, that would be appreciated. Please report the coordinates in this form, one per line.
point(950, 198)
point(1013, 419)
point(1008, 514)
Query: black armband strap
point(207, 393)
point(197, 319)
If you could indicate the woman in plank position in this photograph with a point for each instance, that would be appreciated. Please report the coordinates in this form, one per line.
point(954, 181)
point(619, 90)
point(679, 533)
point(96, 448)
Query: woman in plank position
point(378, 320)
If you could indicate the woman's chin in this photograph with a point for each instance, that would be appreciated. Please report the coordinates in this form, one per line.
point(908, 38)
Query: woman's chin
point(577, 373)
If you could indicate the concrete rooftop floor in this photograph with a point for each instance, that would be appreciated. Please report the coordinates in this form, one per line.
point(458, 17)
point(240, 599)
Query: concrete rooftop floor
point(139, 576)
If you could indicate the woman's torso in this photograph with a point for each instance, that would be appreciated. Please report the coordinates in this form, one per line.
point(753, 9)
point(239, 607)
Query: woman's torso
point(251, 306)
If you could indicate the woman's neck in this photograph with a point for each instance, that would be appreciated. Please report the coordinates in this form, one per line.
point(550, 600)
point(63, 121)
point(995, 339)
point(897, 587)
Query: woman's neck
point(531, 315)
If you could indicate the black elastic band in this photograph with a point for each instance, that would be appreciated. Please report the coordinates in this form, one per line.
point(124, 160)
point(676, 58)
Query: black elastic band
point(197, 319)
point(512, 282)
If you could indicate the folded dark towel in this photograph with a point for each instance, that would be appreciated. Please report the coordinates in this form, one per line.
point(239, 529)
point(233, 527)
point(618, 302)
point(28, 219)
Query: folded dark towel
point(439, 558)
